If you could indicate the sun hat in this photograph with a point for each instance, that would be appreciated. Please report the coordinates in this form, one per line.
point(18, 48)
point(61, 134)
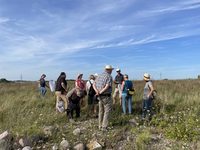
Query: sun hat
point(109, 67)
point(118, 70)
point(96, 74)
point(146, 76)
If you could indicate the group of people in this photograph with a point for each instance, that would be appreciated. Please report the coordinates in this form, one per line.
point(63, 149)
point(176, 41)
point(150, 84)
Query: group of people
point(99, 93)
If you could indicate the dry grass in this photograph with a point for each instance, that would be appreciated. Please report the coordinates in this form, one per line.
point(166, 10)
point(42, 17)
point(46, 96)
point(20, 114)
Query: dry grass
point(24, 112)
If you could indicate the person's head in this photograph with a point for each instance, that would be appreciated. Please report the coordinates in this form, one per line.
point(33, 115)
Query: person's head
point(62, 74)
point(80, 75)
point(43, 76)
point(92, 77)
point(109, 69)
point(118, 71)
point(125, 77)
point(146, 77)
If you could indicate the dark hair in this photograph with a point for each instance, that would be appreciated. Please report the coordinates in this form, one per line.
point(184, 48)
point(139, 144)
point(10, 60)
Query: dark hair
point(62, 74)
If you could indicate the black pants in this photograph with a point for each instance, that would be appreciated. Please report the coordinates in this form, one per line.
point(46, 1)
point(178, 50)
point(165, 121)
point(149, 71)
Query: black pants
point(73, 107)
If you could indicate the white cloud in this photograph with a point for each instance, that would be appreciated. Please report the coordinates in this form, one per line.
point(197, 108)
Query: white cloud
point(4, 20)
point(173, 7)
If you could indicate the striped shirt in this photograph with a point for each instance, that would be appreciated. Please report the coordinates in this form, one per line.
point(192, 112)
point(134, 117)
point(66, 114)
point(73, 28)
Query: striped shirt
point(102, 80)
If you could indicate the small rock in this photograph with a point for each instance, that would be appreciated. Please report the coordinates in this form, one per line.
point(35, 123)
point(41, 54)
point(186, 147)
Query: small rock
point(21, 142)
point(55, 147)
point(133, 122)
point(48, 130)
point(4, 135)
point(27, 148)
point(94, 145)
point(128, 138)
point(25, 142)
point(77, 131)
point(64, 145)
point(155, 138)
point(79, 146)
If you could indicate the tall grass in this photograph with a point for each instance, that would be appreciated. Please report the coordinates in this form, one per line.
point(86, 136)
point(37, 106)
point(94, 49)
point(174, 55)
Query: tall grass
point(24, 112)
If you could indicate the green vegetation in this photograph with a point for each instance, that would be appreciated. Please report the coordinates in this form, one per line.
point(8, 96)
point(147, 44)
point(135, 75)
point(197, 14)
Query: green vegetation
point(177, 111)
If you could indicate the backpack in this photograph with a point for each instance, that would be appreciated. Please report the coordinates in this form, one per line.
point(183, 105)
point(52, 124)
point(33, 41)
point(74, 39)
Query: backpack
point(128, 86)
point(91, 90)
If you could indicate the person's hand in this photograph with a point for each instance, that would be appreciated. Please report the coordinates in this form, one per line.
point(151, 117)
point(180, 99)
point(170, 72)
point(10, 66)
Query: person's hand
point(97, 93)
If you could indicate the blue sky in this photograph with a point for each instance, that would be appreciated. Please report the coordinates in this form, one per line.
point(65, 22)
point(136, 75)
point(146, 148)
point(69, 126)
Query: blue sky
point(138, 36)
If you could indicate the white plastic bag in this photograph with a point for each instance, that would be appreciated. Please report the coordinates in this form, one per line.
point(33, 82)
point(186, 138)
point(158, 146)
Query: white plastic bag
point(60, 106)
point(52, 85)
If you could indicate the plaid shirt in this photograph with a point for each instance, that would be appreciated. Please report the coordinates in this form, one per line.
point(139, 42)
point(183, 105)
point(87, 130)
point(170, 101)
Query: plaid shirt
point(101, 82)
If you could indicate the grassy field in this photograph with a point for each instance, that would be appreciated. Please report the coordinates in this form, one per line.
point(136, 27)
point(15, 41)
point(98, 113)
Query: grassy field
point(24, 112)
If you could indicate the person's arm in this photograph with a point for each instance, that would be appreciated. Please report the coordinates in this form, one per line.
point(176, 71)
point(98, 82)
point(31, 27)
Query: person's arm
point(123, 83)
point(104, 89)
point(108, 84)
point(95, 88)
point(64, 87)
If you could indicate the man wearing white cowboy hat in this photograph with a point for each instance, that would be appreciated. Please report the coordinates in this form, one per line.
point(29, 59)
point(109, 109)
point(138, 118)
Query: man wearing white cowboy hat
point(147, 96)
point(103, 88)
point(119, 78)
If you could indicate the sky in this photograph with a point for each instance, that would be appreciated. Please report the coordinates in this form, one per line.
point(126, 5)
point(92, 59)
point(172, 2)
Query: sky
point(161, 38)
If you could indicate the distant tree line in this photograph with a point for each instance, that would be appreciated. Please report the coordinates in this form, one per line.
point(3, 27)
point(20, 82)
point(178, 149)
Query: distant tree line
point(198, 76)
point(3, 80)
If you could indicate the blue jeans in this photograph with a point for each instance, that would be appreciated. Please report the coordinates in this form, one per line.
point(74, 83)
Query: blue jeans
point(43, 91)
point(146, 108)
point(126, 99)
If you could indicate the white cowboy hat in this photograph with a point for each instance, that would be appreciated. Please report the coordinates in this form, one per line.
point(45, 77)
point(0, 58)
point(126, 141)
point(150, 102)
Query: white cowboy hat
point(118, 70)
point(109, 67)
point(146, 76)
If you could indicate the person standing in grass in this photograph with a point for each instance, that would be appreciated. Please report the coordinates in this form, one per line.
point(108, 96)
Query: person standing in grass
point(92, 110)
point(103, 88)
point(42, 85)
point(61, 89)
point(118, 86)
point(127, 98)
point(147, 97)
